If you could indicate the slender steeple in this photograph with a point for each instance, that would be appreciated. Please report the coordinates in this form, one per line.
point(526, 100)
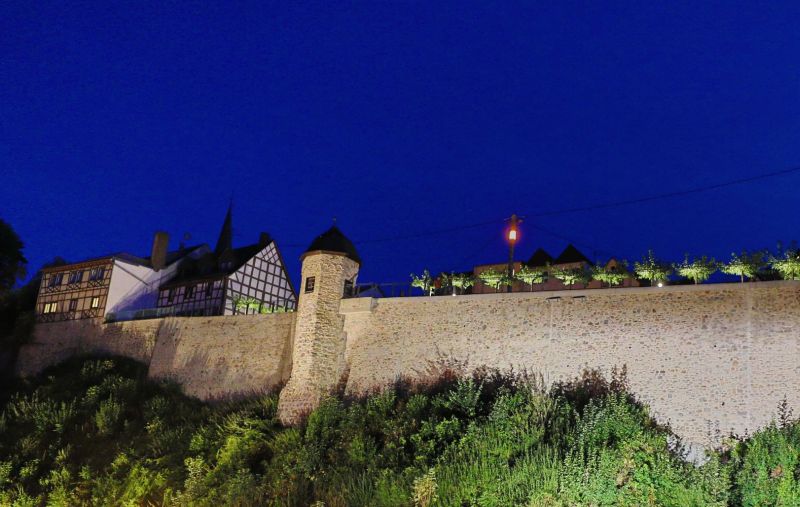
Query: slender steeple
point(225, 241)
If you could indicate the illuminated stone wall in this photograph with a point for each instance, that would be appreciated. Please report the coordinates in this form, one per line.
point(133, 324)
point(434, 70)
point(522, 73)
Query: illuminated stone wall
point(706, 358)
point(211, 357)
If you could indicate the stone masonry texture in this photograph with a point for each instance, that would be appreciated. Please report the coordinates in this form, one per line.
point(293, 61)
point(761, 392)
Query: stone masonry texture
point(211, 357)
point(708, 359)
point(319, 341)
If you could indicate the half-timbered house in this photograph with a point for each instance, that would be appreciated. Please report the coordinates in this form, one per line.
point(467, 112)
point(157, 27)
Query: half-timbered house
point(111, 285)
point(229, 281)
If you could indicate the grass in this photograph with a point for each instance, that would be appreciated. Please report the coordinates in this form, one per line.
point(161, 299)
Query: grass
point(97, 432)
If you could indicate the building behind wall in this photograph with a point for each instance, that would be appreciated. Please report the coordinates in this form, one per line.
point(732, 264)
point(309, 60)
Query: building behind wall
point(228, 281)
point(569, 259)
point(109, 285)
point(187, 281)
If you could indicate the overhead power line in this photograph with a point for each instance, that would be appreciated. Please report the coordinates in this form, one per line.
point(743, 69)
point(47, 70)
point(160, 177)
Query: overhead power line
point(677, 193)
point(436, 232)
point(562, 211)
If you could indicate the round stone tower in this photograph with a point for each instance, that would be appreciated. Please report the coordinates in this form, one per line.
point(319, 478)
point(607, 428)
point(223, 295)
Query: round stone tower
point(329, 265)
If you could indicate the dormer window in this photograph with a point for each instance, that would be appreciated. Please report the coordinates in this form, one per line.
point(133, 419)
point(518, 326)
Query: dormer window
point(226, 265)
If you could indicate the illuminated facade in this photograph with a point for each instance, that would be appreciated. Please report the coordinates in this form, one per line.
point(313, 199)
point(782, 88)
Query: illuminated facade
point(230, 281)
point(108, 286)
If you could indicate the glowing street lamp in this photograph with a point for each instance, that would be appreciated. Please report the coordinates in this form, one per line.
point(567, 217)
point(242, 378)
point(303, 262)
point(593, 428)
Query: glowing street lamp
point(512, 237)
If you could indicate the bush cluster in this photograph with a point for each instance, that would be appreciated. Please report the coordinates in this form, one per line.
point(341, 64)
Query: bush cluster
point(96, 432)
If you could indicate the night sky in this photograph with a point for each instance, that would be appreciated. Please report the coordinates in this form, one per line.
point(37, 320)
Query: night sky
point(399, 119)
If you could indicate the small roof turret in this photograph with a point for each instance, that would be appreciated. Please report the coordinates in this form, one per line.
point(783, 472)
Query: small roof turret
point(333, 240)
point(225, 240)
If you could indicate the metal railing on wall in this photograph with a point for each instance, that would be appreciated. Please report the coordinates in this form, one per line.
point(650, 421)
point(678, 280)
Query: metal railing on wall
point(383, 290)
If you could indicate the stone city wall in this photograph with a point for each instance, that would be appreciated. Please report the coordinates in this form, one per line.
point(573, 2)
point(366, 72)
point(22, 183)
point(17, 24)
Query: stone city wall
point(706, 358)
point(211, 357)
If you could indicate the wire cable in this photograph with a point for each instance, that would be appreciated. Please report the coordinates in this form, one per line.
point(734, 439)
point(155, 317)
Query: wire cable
point(668, 195)
point(562, 211)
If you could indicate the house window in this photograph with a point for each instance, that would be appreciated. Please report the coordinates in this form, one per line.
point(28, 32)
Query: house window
point(95, 302)
point(170, 295)
point(75, 277)
point(189, 292)
point(50, 307)
point(209, 289)
point(56, 279)
point(73, 305)
point(310, 284)
point(97, 274)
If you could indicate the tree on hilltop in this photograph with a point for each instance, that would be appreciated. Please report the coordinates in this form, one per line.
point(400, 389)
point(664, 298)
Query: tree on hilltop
point(699, 270)
point(530, 275)
point(423, 281)
point(652, 269)
point(570, 276)
point(788, 265)
point(744, 265)
point(12, 262)
point(495, 279)
point(610, 276)
point(460, 281)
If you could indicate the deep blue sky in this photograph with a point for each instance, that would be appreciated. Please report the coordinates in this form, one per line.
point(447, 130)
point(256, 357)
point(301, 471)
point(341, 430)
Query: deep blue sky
point(398, 118)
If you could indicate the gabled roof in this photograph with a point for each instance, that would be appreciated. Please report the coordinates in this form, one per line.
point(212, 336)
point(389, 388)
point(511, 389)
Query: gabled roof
point(333, 240)
point(570, 255)
point(540, 258)
point(172, 257)
point(209, 266)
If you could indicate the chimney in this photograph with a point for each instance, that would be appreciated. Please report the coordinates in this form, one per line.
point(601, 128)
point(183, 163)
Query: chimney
point(158, 257)
point(264, 240)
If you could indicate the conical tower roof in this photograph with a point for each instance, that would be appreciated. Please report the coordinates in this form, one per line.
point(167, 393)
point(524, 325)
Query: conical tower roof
point(333, 240)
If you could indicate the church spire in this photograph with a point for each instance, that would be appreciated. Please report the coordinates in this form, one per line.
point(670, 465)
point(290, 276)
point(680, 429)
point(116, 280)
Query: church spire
point(225, 241)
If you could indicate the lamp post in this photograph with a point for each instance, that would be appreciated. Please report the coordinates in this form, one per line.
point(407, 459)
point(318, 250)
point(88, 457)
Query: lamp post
point(512, 240)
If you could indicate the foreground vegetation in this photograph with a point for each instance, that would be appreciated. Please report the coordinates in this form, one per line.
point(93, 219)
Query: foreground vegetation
point(96, 432)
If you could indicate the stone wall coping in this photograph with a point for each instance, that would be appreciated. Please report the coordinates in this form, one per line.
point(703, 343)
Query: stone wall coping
point(355, 305)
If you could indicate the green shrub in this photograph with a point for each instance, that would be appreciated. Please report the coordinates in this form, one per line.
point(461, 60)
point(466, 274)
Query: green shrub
point(108, 416)
point(768, 465)
point(95, 432)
